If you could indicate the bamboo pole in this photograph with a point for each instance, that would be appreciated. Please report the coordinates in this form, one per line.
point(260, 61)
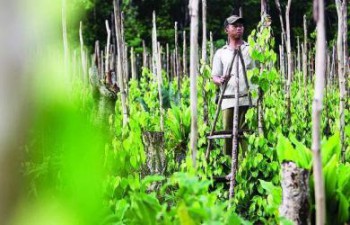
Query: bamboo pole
point(289, 63)
point(317, 110)
point(204, 31)
point(120, 71)
point(193, 9)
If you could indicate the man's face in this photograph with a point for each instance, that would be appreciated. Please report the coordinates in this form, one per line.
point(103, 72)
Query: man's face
point(235, 30)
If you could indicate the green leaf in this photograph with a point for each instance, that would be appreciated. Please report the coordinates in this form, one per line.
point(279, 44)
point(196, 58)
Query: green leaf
point(264, 84)
point(343, 208)
point(330, 177)
point(133, 161)
point(184, 216)
point(331, 147)
point(304, 154)
point(285, 150)
point(120, 209)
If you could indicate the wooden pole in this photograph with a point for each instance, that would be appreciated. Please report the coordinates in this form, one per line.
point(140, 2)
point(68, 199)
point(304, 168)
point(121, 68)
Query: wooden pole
point(168, 62)
point(204, 31)
point(144, 54)
point(211, 48)
point(82, 53)
point(177, 74)
point(133, 64)
point(193, 9)
point(107, 65)
point(184, 50)
point(263, 8)
point(298, 55)
point(305, 53)
point(65, 38)
point(235, 132)
point(120, 51)
point(317, 110)
point(124, 54)
point(278, 5)
point(158, 68)
point(342, 55)
point(289, 61)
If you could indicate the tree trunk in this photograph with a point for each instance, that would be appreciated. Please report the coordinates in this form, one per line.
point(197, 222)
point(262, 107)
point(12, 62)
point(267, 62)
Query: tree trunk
point(295, 189)
point(120, 51)
point(289, 62)
point(316, 113)
point(193, 8)
point(155, 156)
point(204, 32)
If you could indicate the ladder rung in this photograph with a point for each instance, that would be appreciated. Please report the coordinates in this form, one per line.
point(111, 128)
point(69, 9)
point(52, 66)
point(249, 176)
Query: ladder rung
point(222, 136)
point(226, 134)
point(233, 96)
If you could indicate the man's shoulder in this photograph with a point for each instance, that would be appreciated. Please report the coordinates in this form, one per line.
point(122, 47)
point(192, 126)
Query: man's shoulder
point(245, 45)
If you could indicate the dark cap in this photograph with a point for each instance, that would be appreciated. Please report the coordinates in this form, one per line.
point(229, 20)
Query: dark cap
point(233, 19)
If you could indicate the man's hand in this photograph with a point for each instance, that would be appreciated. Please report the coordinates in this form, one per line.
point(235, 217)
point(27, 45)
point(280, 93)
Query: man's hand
point(219, 80)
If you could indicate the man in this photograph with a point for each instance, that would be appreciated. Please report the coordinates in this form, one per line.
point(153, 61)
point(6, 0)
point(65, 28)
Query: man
point(220, 74)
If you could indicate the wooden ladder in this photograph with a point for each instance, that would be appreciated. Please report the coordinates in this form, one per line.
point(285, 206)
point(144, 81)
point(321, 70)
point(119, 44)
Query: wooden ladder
point(235, 133)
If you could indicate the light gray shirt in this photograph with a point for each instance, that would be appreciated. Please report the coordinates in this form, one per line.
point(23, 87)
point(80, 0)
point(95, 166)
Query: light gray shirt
point(221, 63)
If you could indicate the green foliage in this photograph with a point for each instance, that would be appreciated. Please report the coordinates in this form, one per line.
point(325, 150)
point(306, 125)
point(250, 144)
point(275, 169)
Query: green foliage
point(335, 174)
point(299, 154)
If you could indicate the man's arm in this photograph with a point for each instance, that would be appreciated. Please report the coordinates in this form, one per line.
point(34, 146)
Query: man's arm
point(217, 70)
point(219, 80)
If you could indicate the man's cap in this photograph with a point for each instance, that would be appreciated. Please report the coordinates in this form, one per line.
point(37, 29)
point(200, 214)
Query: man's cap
point(233, 19)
